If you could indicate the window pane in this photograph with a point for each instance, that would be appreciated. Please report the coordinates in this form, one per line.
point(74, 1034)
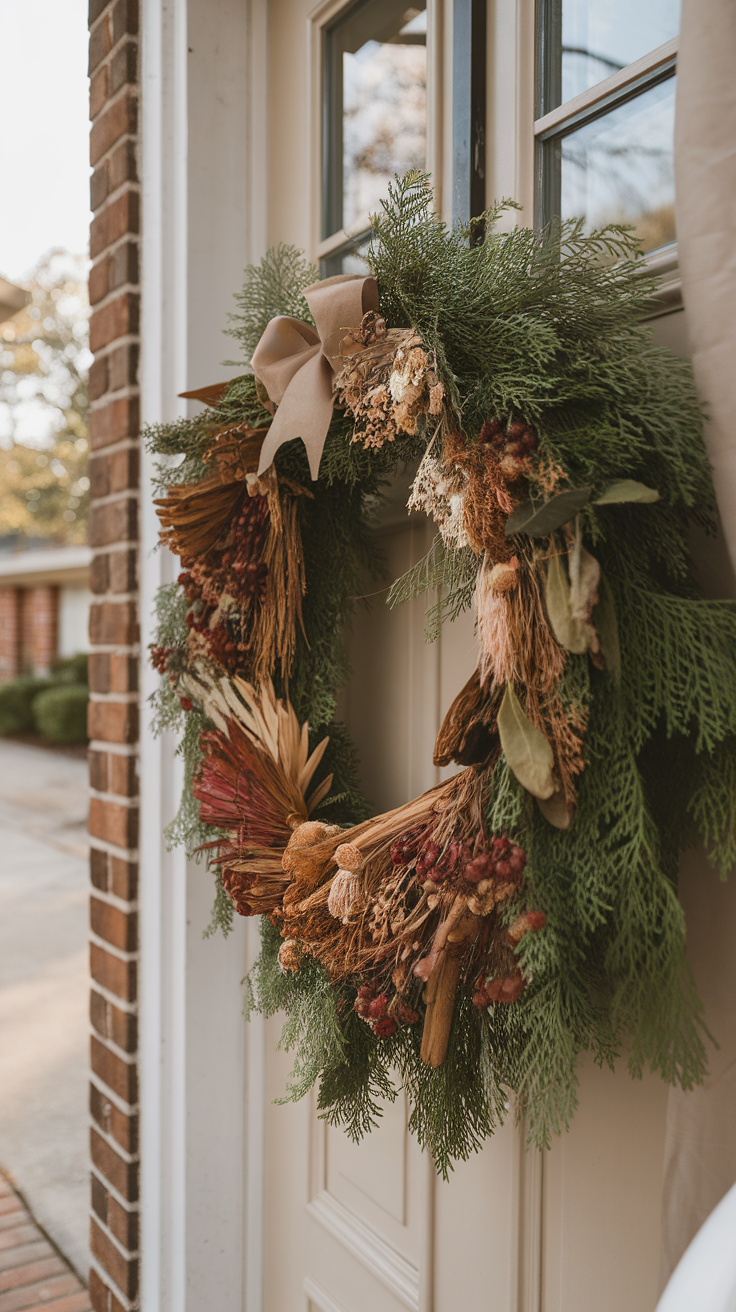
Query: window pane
point(620, 168)
point(348, 259)
point(376, 111)
point(595, 38)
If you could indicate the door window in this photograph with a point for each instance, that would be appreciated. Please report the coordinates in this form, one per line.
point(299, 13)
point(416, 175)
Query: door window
point(606, 110)
point(374, 118)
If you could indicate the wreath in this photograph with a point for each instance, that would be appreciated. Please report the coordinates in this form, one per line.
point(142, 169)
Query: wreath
point(469, 945)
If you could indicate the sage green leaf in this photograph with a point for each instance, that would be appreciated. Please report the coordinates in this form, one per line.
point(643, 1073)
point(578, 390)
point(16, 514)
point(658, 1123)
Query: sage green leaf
point(527, 751)
point(555, 810)
point(540, 518)
point(627, 489)
point(604, 618)
point(585, 574)
point(569, 632)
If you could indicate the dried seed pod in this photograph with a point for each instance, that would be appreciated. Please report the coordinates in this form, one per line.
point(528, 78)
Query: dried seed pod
point(504, 578)
point(349, 857)
point(511, 468)
point(290, 955)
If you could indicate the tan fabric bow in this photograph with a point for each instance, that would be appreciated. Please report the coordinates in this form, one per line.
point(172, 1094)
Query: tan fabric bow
point(296, 363)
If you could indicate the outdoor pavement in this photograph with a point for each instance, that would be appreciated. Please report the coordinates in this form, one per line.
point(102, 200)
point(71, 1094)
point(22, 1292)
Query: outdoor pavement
point(33, 1276)
point(43, 991)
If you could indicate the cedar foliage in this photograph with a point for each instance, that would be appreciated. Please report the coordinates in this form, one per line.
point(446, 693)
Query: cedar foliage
point(545, 328)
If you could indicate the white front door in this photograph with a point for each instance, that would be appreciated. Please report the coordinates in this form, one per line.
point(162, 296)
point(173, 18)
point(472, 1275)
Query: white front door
point(249, 1205)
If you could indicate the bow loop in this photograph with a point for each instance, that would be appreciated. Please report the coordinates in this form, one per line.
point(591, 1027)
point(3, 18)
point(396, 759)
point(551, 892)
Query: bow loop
point(296, 363)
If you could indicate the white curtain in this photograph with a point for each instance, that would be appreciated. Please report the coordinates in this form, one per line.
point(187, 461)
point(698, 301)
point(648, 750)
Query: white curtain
point(700, 1155)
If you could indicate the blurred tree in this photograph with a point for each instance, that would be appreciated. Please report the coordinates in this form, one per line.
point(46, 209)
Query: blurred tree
point(44, 357)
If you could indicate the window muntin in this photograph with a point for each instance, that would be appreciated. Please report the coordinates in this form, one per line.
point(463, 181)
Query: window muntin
point(600, 37)
point(608, 157)
point(375, 114)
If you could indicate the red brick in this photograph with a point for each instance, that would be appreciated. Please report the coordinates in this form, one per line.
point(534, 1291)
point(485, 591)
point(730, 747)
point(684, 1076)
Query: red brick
point(113, 1023)
point(116, 319)
point(97, 381)
point(123, 777)
point(98, 771)
point(113, 472)
point(99, 281)
point(118, 217)
point(100, 42)
point(99, 189)
point(124, 1271)
point(123, 879)
point(118, 1075)
point(122, 363)
point(11, 630)
point(99, 90)
point(99, 582)
point(113, 623)
point(122, 1175)
point(123, 167)
point(112, 722)
point(19, 1276)
point(123, 1224)
point(98, 1193)
point(124, 670)
point(99, 869)
point(94, 10)
point(124, 578)
point(123, 66)
point(113, 521)
point(121, 1126)
point(124, 19)
point(119, 928)
point(99, 672)
point(119, 119)
point(118, 977)
point(114, 422)
point(42, 1293)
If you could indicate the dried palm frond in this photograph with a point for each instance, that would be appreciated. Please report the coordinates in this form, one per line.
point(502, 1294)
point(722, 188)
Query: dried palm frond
point(253, 783)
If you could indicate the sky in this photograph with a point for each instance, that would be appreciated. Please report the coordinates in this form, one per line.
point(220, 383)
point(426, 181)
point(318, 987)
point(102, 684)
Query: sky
point(44, 142)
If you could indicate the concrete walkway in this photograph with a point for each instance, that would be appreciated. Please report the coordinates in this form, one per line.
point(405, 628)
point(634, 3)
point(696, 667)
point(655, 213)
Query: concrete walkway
point(43, 989)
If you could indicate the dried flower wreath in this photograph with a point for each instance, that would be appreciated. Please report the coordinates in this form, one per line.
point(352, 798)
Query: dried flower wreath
point(475, 940)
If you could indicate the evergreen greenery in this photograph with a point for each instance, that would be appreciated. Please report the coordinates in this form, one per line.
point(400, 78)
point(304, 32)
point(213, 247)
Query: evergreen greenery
point(545, 328)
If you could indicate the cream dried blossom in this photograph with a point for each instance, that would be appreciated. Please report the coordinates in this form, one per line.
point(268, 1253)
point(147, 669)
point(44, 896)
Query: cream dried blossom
point(387, 381)
point(439, 491)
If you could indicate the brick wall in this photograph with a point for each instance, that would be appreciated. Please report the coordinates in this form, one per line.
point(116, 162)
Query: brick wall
point(113, 711)
point(40, 627)
point(10, 633)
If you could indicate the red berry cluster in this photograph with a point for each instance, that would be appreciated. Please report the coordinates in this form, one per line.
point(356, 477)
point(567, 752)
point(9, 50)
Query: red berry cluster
point(405, 849)
point(507, 988)
point(505, 862)
point(467, 861)
point(517, 440)
point(373, 1008)
point(160, 657)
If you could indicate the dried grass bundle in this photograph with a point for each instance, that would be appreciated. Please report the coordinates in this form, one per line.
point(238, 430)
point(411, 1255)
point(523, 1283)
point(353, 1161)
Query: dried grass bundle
point(194, 516)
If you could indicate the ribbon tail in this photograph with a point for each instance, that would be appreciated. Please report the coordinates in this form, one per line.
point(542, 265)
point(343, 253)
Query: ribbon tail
point(304, 412)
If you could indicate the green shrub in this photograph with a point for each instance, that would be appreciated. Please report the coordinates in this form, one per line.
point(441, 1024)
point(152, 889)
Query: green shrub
point(70, 669)
point(60, 713)
point(16, 704)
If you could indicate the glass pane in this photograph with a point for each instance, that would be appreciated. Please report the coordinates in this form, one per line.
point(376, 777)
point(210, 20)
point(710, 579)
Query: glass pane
point(599, 37)
point(347, 259)
point(620, 169)
point(376, 119)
